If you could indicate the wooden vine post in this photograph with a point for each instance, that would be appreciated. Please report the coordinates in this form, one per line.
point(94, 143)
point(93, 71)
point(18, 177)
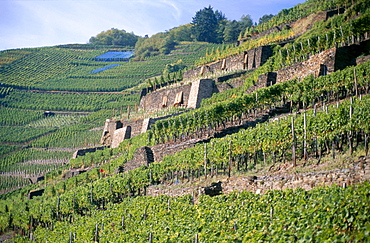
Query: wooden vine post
point(293, 145)
point(355, 79)
point(58, 207)
point(205, 161)
point(96, 237)
point(230, 159)
point(350, 132)
point(305, 154)
point(366, 144)
point(123, 222)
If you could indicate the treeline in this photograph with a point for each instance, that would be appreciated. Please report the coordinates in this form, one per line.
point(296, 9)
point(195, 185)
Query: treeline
point(207, 25)
point(115, 37)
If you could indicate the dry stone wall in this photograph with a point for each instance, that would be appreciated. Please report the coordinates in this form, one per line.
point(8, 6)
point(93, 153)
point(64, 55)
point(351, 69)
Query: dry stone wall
point(142, 156)
point(135, 126)
point(82, 152)
point(347, 55)
point(163, 98)
point(357, 172)
point(247, 60)
point(200, 90)
point(316, 65)
point(323, 63)
point(161, 150)
point(119, 135)
point(110, 126)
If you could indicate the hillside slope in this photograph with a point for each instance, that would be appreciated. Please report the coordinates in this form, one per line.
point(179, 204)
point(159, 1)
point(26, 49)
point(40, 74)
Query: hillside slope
point(299, 119)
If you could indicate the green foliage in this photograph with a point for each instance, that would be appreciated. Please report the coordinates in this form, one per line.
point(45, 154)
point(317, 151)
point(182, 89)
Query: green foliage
point(11, 182)
point(42, 64)
point(231, 32)
point(11, 56)
point(71, 137)
point(206, 25)
point(4, 149)
point(29, 154)
point(234, 106)
point(161, 43)
point(324, 34)
point(265, 18)
point(174, 67)
point(67, 69)
point(13, 116)
point(22, 134)
point(322, 214)
point(68, 101)
point(115, 37)
point(70, 210)
point(181, 33)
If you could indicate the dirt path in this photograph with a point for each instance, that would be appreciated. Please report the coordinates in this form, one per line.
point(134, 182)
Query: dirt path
point(7, 237)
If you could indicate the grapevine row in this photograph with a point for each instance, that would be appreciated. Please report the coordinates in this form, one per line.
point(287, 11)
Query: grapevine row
point(325, 88)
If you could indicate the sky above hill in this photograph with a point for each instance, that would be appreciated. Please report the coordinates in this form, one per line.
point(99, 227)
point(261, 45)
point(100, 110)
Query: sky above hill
point(36, 23)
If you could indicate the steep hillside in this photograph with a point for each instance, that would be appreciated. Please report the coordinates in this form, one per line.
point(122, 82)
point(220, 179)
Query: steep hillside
point(263, 141)
point(54, 100)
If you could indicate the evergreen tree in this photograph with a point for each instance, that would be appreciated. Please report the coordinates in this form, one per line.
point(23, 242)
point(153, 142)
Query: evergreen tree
point(206, 25)
point(231, 32)
point(265, 18)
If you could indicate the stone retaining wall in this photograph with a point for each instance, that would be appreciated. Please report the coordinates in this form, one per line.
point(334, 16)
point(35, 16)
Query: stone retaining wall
point(163, 98)
point(247, 60)
point(82, 152)
point(323, 63)
point(200, 90)
point(141, 157)
point(314, 65)
point(357, 172)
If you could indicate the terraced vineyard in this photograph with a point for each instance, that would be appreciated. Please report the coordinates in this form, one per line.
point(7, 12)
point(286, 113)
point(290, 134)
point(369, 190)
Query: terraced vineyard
point(62, 80)
point(318, 122)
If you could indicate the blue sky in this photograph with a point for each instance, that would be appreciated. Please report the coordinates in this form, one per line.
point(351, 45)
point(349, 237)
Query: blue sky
point(36, 23)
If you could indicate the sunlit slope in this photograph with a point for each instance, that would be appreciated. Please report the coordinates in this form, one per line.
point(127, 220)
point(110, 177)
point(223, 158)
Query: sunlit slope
point(68, 69)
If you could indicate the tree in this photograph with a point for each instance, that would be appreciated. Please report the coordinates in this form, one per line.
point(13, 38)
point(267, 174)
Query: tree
point(174, 67)
point(182, 33)
point(265, 18)
point(160, 43)
point(234, 28)
point(206, 25)
point(231, 32)
point(115, 37)
point(245, 22)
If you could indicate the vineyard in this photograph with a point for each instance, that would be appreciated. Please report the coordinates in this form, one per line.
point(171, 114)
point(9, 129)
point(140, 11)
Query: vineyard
point(295, 215)
point(301, 94)
point(65, 69)
point(79, 89)
point(55, 100)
